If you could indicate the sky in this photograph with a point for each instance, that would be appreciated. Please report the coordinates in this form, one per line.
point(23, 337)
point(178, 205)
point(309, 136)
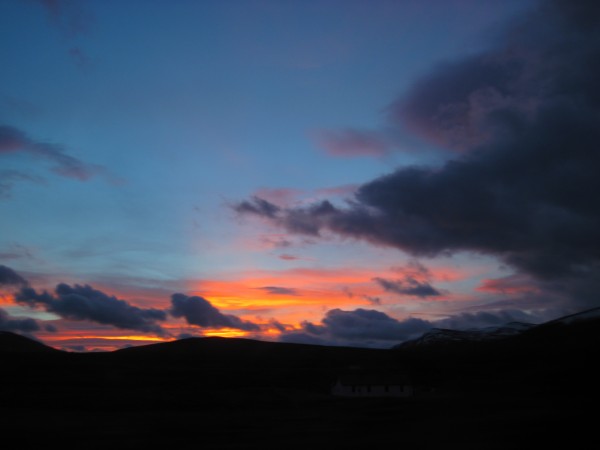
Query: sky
point(328, 172)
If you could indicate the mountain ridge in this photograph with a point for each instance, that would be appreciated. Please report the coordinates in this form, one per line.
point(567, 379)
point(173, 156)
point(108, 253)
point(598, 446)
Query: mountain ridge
point(15, 343)
point(445, 336)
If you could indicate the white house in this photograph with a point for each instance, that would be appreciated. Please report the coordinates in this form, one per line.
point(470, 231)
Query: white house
point(373, 384)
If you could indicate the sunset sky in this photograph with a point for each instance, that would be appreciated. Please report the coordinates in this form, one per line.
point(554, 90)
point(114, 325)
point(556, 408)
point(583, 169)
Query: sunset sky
point(330, 172)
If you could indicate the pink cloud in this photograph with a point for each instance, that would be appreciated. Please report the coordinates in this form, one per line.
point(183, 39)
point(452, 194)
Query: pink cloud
point(341, 191)
point(287, 257)
point(279, 196)
point(351, 143)
point(511, 284)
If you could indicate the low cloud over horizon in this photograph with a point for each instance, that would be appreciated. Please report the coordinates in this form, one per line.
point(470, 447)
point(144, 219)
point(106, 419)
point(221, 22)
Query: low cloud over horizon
point(359, 327)
point(84, 303)
point(198, 311)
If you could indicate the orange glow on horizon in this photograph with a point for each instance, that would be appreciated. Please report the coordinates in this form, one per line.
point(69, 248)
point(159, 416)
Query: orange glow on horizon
point(311, 291)
point(289, 296)
point(225, 332)
point(107, 337)
point(308, 287)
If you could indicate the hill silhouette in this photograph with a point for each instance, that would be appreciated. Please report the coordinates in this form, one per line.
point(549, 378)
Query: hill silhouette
point(15, 343)
point(233, 352)
point(518, 392)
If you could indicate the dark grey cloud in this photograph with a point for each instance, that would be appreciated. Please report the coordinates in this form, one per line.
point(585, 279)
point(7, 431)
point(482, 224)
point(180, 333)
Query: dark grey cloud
point(370, 324)
point(520, 122)
point(17, 324)
point(257, 206)
point(371, 328)
point(199, 311)
point(408, 286)
point(9, 277)
point(50, 328)
point(279, 290)
point(86, 303)
point(14, 140)
point(361, 327)
point(282, 328)
point(372, 300)
point(76, 348)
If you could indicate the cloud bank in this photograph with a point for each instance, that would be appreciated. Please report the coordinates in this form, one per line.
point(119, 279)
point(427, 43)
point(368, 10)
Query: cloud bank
point(371, 328)
point(199, 311)
point(9, 277)
point(86, 303)
point(17, 324)
point(520, 123)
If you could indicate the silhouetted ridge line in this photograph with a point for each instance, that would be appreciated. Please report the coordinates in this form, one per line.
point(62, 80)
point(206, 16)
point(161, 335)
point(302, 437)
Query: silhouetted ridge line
point(15, 343)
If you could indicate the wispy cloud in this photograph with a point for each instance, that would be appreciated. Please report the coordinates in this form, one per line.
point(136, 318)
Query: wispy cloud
point(13, 141)
point(8, 178)
point(16, 251)
point(415, 282)
point(352, 143)
point(73, 20)
point(288, 257)
point(279, 290)
point(69, 16)
point(408, 286)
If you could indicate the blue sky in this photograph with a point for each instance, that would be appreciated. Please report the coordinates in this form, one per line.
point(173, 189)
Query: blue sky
point(174, 111)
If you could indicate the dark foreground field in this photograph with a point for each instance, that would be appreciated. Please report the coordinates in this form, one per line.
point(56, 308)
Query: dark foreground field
point(468, 423)
point(526, 392)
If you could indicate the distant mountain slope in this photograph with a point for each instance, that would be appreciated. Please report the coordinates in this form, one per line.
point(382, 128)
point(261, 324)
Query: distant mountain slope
point(589, 314)
point(443, 336)
point(574, 336)
point(15, 343)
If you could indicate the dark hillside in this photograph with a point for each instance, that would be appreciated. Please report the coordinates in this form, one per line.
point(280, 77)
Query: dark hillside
point(524, 391)
point(15, 343)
